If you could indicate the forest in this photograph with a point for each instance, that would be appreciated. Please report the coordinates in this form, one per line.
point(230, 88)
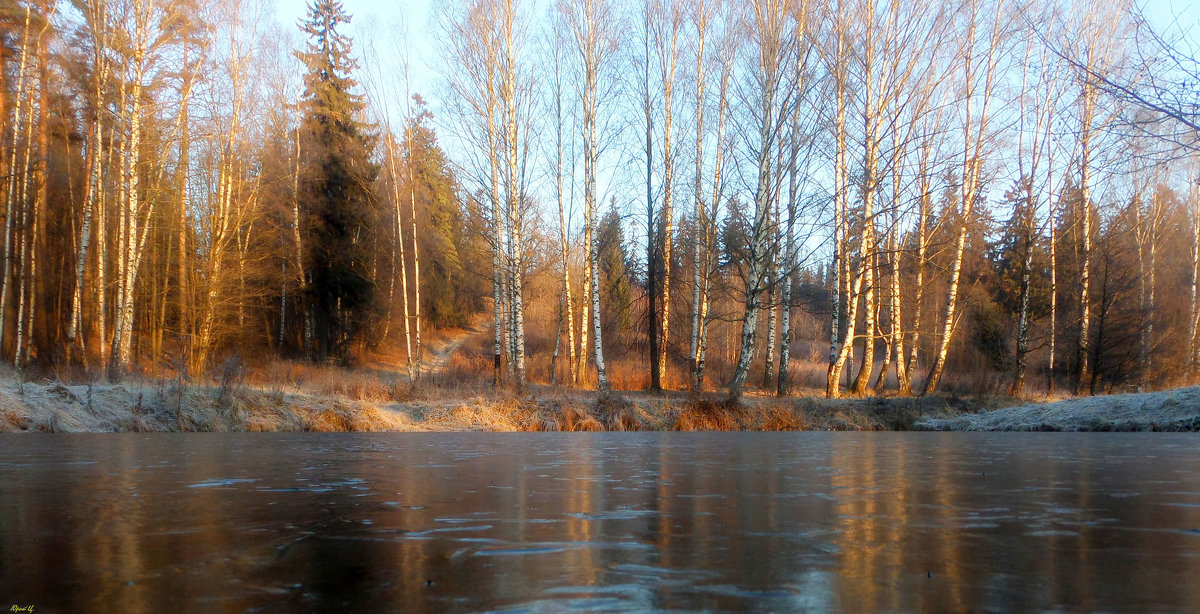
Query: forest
point(818, 197)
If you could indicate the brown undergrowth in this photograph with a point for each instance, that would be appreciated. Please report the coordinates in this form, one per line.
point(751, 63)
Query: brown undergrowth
point(364, 404)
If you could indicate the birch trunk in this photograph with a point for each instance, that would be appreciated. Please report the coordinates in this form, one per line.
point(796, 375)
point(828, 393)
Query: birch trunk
point(667, 63)
point(896, 315)
point(1147, 341)
point(837, 351)
point(89, 199)
point(498, 293)
point(593, 249)
point(772, 329)
point(708, 235)
point(862, 379)
point(102, 233)
point(585, 308)
point(867, 247)
point(19, 105)
point(698, 216)
point(789, 257)
point(132, 235)
point(773, 47)
point(905, 383)
point(397, 210)
point(653, 336)
point(972, 162)
point(416, 258)
point(1085, 254)
point(1194, 290)
point(594, 43)
point(1053, 257)
point(568, 302)
point(185, 301)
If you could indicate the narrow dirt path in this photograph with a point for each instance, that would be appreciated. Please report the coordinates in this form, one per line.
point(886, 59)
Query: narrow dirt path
point(438, 358)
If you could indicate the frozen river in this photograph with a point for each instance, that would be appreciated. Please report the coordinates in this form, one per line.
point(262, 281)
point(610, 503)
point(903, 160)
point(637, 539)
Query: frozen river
point(621, 521)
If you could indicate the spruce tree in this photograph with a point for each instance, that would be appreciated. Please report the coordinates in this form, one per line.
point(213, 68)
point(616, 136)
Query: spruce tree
point(335, 187)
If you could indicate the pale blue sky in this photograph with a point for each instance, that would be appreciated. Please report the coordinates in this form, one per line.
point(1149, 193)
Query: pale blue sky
point(386, 24)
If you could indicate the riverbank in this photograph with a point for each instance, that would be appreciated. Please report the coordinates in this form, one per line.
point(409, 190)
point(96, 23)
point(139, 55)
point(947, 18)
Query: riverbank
point(1168, 410)
point(170, 406)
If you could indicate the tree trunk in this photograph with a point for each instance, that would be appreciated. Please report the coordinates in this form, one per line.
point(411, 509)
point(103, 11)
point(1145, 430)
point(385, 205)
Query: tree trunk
point(653, 335)
point(567, 306)
point(667, 62)
point(1085, 253)
point(416, 258)
point(1194, 290)
point(1018, 385)
point(397, 210)
point(789, 259)
point(972, 162)
point(19, 103)
point(709, 226)
point(840, 224)
point(698, 215)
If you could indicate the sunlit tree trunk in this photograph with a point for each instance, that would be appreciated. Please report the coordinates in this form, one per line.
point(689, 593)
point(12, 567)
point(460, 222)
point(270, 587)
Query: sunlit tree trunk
point(1029, 201)
point(129, 204)
point(653, 334)
point(975, 131)
point(185, 300)
point(867, 250)
point(567, 304)
point(1194, 290)
point(773, 100)
point(397, 200)
point(416, 259)
point(591, 23)
point(788, 269)
point(924, 203)
point(668, 60)
point(19, 106)
point(1053, 257)
point(1148, 260)
point(700, 21)
point(772, 329)
point(839, 347)
point(726, 65)
point(1087, 99)
point(94, 166)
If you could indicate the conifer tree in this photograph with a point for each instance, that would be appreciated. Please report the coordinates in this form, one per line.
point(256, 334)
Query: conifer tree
point(335, 186)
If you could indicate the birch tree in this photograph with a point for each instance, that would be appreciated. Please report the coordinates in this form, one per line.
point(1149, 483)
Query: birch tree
point(979, 83)
point(1094, 49)
point(770, 96)
point(593, 27)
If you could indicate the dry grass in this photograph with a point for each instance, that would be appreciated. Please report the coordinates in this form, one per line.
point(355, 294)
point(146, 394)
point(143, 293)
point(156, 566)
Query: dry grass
point(331, 400)
point(377, 396)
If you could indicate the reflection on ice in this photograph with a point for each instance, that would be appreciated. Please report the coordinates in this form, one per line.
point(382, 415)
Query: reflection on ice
point(215, 483)
point(605, 522)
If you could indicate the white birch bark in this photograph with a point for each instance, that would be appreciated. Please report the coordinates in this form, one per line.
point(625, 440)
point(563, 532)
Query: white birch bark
point(975, 132)
point(1194, 290)
point(668, 60)
point(773, 101)
point(718, 187)
point(19, 106)
point(399, 229)
point(698, 216)
point(653, 334)
point(94, 170)
point(591, 25)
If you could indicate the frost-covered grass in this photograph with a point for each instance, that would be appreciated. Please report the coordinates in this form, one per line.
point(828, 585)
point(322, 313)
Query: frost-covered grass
point(315, 401)
point(1169, 410)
